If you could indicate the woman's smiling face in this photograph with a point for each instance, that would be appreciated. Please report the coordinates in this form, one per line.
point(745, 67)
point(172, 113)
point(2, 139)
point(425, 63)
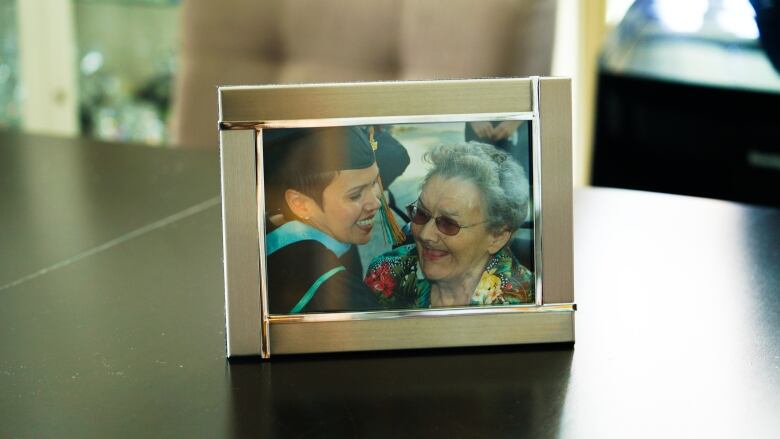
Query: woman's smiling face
point(451, 259)
point(349, 204)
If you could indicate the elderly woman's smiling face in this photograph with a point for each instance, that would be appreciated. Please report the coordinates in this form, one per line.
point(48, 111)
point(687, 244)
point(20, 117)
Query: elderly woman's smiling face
point(460, 257)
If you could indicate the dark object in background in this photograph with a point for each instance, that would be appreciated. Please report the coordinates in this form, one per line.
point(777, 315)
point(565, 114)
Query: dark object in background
point(768, 22)
point(705, 128)
point(678, 138)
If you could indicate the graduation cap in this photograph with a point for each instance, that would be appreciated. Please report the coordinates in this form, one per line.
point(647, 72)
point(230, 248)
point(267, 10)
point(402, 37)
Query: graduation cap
point(311, 151)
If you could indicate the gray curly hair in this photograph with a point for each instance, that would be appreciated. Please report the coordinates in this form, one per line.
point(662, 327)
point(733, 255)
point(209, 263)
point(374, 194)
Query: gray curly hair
point(498, 177)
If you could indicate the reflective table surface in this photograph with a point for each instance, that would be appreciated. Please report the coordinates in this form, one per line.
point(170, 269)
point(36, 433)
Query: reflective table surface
point(112, 321)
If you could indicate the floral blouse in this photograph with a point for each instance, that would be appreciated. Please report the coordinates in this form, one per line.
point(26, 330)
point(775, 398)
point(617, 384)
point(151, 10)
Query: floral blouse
point(398, 281)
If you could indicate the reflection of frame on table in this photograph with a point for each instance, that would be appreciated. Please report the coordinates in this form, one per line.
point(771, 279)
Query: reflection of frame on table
point(245, 109)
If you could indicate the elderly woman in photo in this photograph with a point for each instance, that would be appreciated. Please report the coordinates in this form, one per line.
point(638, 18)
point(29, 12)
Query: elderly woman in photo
point(472, 201)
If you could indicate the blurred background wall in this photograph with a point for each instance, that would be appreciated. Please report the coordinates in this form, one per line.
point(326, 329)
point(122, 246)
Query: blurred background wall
point(144, 71)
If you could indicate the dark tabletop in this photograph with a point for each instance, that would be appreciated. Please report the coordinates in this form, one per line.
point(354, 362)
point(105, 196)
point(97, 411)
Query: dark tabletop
point(112, 321)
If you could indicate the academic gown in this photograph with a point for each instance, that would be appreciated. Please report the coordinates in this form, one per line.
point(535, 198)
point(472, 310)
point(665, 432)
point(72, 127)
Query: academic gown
point(309, 271)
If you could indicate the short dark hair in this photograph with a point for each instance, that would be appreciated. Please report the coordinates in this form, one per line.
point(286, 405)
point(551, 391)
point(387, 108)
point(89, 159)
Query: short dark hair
point(310, 185)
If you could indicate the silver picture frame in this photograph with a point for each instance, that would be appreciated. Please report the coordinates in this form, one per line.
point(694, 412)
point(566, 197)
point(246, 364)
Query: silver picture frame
point(245, 111)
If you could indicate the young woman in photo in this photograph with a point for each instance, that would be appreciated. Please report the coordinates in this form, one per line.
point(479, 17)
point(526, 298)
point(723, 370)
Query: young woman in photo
point(323, 197)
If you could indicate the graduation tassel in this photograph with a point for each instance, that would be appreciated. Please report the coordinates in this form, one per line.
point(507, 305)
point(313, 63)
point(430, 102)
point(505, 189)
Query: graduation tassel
point(392, 231)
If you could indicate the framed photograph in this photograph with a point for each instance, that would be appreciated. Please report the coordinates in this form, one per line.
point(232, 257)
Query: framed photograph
point(396, 215)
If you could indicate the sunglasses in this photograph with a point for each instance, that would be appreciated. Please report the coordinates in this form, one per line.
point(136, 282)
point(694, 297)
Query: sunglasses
point(447, 226)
